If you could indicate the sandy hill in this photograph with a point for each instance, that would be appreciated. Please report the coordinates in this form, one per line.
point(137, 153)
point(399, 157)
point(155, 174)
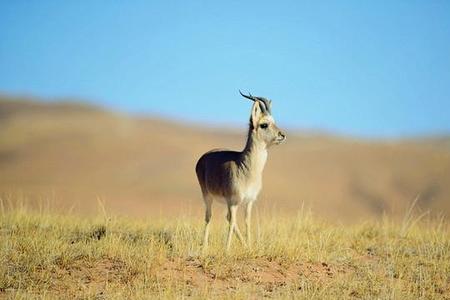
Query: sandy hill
point(70, 155)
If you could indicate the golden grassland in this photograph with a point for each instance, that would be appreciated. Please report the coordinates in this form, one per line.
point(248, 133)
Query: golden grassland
point(47, 255)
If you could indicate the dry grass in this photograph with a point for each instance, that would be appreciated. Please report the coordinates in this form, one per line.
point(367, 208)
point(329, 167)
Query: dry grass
point(47, 255)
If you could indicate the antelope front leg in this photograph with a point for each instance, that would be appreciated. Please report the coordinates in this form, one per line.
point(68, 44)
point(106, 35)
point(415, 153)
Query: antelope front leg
point(239, 235)
point(248, 217)
point(232, 219)
point(232, 222)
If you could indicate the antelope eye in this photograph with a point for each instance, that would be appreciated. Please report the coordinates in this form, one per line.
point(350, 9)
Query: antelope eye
point(264, 125)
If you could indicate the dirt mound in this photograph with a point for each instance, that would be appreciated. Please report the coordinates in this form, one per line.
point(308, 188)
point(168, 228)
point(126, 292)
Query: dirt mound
point(88, 277)
point(263, 272)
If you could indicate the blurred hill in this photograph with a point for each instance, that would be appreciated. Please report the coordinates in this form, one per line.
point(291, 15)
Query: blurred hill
point(73, 155)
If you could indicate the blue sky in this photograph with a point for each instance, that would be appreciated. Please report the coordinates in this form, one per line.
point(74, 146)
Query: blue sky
point(363, 68)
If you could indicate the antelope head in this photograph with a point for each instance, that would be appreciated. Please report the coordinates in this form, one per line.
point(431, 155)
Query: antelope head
point(262, 124)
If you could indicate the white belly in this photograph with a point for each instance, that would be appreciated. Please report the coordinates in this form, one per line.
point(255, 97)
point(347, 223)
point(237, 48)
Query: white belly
point(250, 192)
point(246, 195)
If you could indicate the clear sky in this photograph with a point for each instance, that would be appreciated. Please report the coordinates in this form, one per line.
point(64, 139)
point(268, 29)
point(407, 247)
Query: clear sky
point(364, 68)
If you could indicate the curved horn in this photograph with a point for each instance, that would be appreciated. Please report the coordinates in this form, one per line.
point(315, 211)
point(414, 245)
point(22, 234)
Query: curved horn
point(267, 103)
point(263, 106)
point(248, 97)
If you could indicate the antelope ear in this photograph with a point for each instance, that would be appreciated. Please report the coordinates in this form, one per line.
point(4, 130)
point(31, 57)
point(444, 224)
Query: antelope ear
point(256, 113)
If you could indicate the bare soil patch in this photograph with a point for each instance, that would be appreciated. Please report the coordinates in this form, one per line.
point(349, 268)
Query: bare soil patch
point(262, 272)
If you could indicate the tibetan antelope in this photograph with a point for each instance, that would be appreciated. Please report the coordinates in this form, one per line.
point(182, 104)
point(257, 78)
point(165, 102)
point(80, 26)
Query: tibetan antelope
point(236, 177)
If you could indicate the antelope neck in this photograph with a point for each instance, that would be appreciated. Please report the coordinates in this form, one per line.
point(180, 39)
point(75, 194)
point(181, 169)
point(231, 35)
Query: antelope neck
point(254, 155)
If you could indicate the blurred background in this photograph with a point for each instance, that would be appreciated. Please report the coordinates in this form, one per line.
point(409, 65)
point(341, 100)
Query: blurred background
point(114, 102)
